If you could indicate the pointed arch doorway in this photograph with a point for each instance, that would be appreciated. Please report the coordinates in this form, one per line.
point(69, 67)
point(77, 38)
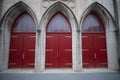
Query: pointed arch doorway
point(22, 44)
point(94, 53)
point(58, 43)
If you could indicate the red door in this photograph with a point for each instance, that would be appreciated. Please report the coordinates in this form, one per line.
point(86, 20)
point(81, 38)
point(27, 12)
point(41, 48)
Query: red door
point(93, 42)
point(94, 50)
point(88, 50)
point(52, 50)
point(65, 51)
point(22, 51)
point(100, 50)
point(58, 51)
point(29, 50)
point(15, 56)
point(22, 45)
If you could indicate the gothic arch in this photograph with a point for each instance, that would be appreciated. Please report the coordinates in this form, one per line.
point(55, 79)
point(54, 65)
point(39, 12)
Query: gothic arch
point(58, 7)
point(6, 25)
point(102, 12)
point(110, 28)
point(16, 10)
point(67, 12)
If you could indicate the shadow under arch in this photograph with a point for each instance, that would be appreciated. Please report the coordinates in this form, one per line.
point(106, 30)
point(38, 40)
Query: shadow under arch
point(6, 25)
point(52, 10)
point(110, 31)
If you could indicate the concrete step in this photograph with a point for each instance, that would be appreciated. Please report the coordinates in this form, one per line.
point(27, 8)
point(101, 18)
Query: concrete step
point(58, 70)
point(60, 74)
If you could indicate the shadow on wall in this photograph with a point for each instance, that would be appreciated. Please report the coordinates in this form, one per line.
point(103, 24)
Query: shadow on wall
point(1, 3)
point(119, 62)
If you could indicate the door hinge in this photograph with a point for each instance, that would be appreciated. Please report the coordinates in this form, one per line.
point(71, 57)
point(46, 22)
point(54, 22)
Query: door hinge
point(68, 49)
point(49, 64)
point(67, 36)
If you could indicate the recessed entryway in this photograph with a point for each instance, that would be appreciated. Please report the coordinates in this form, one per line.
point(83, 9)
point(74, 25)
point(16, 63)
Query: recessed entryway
point(22, 44)
point(94, 51)
point(58, 43)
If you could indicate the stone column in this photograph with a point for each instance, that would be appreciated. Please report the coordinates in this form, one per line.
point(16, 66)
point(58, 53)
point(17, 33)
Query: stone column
point(38, 52)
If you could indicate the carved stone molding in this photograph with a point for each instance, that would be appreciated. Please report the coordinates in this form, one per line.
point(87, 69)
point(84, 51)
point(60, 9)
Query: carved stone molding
point(47, 3)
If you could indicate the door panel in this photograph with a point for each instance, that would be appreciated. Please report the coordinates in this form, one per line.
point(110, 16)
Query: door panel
point(101, 53)
point(29, 50)
point(15, 56)
point(65, 50)
point(88, 51)
point(51, 51)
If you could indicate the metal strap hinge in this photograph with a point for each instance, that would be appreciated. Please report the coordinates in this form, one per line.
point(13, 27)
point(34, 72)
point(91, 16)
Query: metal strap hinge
point(67, 36)
point(49, 64)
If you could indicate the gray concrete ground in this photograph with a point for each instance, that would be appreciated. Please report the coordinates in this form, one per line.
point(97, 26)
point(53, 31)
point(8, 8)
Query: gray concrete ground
point(61, 76)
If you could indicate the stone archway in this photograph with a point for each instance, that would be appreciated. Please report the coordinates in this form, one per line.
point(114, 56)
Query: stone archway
point(94, 52)
point(110, 28)
point(58, 43)
point(57, 7)
point(6, 26)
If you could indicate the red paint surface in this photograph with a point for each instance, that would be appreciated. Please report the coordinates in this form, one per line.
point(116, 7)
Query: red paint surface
point(94, 50)
point(57, 55)
point(22, 51)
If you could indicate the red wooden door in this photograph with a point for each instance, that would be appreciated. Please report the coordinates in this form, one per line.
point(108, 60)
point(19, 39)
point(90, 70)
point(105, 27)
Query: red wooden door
point(94, 50)
point(22, 51)
point(65, 51)
point(88, 50)
point(58, 51)
point(15, 56)
point(58, 43)
point(100, 50)
point(29, 50)
point(52, 51)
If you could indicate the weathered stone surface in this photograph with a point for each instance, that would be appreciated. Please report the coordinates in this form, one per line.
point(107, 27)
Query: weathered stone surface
point(74, 10)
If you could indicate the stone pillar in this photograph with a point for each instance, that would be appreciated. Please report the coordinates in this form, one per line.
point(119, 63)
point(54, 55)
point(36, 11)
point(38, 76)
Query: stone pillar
point(112, 52)
point(38, 52)
point(1, 51)
point(78, 52)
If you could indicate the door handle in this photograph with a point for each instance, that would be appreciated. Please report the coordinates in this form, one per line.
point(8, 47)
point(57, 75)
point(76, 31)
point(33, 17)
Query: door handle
point(57, 55)
point(23, 56)
point(95, 55)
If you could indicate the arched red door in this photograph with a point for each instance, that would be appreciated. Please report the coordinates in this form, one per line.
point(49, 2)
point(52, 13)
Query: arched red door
point(58, 43)
point(94, 53)
point(22, 44)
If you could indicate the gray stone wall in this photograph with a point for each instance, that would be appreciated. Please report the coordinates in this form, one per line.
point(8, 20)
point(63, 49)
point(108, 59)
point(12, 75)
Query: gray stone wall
point(118, 10)
point(40, 6)
point(42, 10)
